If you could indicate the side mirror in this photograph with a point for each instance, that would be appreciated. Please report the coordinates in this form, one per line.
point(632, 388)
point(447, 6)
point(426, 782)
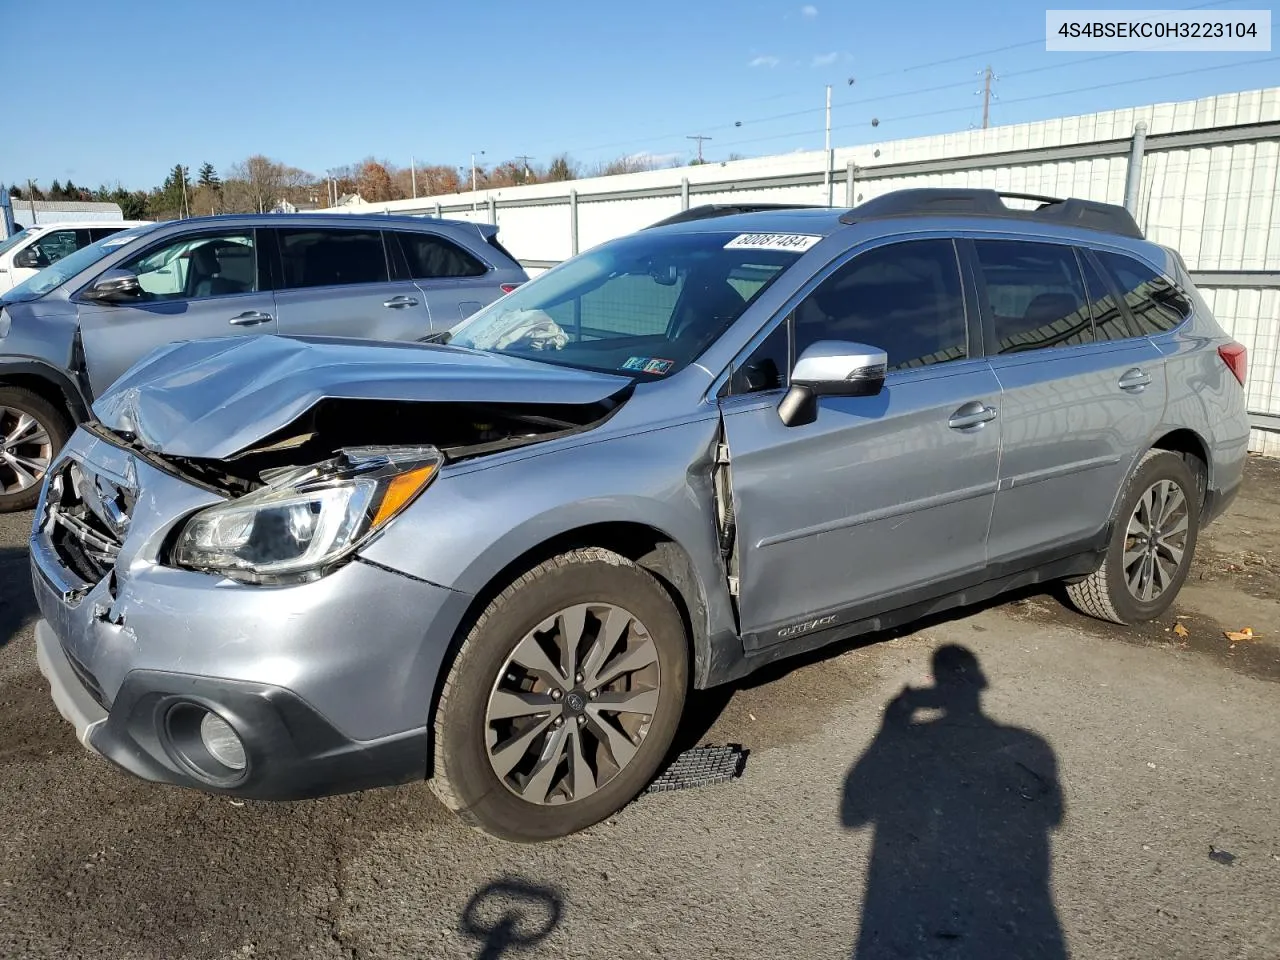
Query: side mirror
point(30, 258)
point(114, 286)
point(831, 368)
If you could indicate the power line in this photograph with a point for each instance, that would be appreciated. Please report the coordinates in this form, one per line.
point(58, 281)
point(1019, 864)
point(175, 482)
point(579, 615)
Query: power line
point(699, 137)
point(1028, 99)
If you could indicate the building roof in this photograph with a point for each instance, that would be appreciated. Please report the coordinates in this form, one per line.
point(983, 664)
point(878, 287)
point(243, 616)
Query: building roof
point(64, 206)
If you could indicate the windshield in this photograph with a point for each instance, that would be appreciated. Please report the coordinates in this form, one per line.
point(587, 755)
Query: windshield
point(645, 305)
point(63, 270)
point(13, 241)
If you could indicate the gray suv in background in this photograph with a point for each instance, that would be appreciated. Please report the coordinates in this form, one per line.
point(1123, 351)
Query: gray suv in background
point(290, 566)
point(68, 332)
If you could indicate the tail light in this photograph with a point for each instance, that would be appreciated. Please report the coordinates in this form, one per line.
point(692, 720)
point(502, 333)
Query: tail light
point(1235, 357)
point(508, 287)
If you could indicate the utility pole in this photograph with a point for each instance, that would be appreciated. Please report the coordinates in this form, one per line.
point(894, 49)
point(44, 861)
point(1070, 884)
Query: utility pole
point(699, 138)
point(474, 180)
point(524, 162)
point(31, 199)
point(826, 152)
point(987, 77)
point(413, 176)
point(186, 206)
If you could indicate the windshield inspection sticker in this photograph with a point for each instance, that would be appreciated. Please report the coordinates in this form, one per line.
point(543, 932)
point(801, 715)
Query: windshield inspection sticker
point(798, 242)
point(635, 363)
point(658, 366)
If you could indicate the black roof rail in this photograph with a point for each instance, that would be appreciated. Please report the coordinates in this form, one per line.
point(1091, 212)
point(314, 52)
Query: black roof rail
point(709, 210)
point(945, 202)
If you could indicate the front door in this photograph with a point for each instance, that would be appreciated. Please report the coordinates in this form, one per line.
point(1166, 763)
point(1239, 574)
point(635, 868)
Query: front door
point(883, 500)
point(337, 282)
point(197, 285)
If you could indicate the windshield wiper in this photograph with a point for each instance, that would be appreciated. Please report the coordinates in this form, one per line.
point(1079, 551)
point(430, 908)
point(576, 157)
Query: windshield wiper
point(444, 336)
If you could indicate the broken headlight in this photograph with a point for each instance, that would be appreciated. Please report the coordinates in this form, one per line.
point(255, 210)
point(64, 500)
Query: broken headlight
point(304, 518)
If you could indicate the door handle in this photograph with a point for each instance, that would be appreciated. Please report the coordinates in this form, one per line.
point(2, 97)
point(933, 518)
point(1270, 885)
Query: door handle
point(1134, 380)
point(249, 318)
point(395, 303)
point(973, 414)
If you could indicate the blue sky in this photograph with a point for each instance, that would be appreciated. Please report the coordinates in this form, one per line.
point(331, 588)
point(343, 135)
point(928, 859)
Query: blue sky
point(121, 91)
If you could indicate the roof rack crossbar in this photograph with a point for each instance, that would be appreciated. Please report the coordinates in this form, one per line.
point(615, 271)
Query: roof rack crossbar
point(943, 202)
point(709, 210)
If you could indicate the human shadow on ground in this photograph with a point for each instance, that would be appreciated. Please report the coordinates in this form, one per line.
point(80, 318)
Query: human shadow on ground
point(17, 602)
point(510, 915)
point(962, 808)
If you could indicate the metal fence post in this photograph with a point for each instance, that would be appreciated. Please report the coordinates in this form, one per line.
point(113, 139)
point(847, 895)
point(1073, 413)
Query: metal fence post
point(439, 210)
point(573, 223)
point(493, 211)
point(1133, 182)
point(850, 184)
point(684, 193)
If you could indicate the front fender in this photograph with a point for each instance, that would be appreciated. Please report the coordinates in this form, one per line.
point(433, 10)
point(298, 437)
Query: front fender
point(21, 366)
point(474, 522)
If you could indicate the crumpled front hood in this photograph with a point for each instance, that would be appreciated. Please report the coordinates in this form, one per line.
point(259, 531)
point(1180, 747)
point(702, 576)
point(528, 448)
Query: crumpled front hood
point(214, 398)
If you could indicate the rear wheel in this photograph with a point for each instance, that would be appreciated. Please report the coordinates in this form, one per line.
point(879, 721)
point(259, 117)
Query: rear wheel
point(32, 431)
point(1151, 545)
point(563, 700)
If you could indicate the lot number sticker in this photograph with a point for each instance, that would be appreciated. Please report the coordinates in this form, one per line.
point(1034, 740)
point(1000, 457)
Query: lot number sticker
point(799, 242)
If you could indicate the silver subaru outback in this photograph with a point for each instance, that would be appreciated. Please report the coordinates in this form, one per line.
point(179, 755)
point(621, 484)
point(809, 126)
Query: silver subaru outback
point(282, 567)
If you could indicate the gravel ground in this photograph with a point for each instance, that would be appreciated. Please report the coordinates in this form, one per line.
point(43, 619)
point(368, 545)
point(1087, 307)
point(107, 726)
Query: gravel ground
point(1103, 793)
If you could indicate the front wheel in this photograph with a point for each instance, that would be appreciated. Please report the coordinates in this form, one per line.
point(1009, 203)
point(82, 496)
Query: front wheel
point(1151, 545)
point(563, 699)
point(32, 431)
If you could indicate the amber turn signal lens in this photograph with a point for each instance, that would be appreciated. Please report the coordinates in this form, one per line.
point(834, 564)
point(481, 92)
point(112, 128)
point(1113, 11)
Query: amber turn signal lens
point(400, 491)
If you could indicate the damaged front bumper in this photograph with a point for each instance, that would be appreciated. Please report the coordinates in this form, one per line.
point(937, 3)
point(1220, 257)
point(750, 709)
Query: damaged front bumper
point(327, 684)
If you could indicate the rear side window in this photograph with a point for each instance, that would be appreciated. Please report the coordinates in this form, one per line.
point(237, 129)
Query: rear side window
point(1108, 319)
point(1155, 303)
point(904, 298)
point(98, 233)
point(1035, 294)
point(493, 242)
point(431, 257)
point(331, 257)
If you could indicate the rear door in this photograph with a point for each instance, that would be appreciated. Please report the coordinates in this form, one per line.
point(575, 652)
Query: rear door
point(337, 282)
point(1081, 396)
point(206, 283)
point(454, 282)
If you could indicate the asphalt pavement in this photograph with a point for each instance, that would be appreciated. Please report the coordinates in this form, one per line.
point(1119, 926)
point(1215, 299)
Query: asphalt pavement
point(1067, 789)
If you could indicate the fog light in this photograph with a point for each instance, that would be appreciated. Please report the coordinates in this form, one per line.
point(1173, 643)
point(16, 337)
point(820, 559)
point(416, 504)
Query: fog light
point(221, 742)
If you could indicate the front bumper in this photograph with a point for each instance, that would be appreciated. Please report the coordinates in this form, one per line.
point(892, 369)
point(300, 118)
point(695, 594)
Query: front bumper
point(292, 751)
point(328, 684)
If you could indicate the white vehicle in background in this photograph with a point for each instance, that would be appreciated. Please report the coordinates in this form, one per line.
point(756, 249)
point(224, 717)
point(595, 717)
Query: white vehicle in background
point(29, 251)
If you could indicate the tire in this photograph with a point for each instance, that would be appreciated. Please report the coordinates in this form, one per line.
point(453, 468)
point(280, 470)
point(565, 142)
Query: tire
point(1110, 592)
point(469, 742)
point(19, 483)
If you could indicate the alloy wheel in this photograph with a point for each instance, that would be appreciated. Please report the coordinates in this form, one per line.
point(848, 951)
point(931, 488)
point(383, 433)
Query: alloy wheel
point(1156, 540)
point(26, 450)
point(572, 703)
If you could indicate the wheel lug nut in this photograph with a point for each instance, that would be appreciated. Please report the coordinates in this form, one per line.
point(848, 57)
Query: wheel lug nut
point(559, 722)
point(556, 694)
point(593, 694)
point(582, 718)
point(578, 678)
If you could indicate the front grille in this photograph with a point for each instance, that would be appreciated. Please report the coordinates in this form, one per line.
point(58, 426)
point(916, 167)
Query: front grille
point(87, 680)
point(86, 520)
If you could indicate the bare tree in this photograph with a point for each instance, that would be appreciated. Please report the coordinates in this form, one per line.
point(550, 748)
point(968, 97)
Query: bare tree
point(633, 163)
point(562, 168)
point(259, 183)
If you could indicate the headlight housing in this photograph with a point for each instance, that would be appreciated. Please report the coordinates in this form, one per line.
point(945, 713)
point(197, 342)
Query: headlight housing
point(305, 519)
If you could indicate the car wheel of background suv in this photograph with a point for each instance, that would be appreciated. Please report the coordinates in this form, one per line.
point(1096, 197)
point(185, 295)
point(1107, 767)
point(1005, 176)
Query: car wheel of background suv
point(1152, 542)
point(563, 699)
point(32, 431)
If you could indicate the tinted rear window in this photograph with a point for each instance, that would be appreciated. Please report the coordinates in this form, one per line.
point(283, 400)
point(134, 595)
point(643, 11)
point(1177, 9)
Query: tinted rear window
point(431, 257)
point(1036, 295)
point(1155, 303)
point(331, 257)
